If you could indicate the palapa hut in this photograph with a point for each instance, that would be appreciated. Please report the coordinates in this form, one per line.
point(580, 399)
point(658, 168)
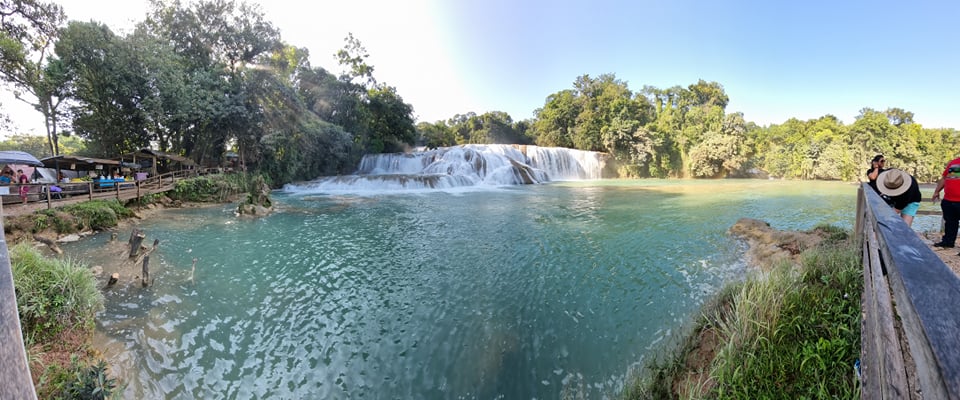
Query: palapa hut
point(83, 166)
point(158, 162)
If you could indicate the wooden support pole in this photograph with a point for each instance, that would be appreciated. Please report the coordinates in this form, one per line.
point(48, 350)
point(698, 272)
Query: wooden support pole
point(145, 278)
point(133, 233)
point(135, 245)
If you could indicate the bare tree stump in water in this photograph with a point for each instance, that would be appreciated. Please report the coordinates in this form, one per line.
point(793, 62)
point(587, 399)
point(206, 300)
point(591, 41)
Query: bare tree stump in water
point(113, 279)
point(135, 244)
point(145, 278)
point(113, 236)
point(133, 234)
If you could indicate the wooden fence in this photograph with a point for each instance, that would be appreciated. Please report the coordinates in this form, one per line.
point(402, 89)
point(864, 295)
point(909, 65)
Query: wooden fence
point(910, 305)
point(40, 196)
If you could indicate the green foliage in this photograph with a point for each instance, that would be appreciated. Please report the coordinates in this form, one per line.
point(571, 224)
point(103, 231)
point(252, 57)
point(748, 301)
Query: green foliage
point(791, 333)
point(146, 200)
point(81, 379)
point(61, 222)
point(470, 128)
point(209, 188)
point(91, 383)
point(809, 350)
point(97, 214)
point(52, 295)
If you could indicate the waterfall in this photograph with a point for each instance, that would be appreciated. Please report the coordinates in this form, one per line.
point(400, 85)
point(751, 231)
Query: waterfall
point(463, 166)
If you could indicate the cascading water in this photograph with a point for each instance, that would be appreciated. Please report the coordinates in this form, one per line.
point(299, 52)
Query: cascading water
point(462, 166)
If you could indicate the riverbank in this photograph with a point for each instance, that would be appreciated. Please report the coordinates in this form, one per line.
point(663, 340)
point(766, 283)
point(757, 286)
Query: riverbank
point(790, 329)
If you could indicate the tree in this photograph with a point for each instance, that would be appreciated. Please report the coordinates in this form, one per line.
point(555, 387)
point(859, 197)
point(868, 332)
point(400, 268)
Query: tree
point(555, 122)
point(108, 84)
point(899, 116)
point(29, 29)
point(391, 123)
point(353, 57)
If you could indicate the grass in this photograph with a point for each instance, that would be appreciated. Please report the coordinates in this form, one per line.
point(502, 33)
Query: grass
point(52, 295)
point(57, 300)
point(792, 332)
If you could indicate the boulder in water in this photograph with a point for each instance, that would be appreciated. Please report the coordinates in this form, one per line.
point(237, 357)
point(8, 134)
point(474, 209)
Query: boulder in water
point(769, 246)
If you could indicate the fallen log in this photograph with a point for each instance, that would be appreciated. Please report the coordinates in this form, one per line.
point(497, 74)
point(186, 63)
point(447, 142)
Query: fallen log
point(52, 244)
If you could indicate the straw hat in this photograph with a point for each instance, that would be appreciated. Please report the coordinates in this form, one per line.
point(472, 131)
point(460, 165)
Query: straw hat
point(894, 182)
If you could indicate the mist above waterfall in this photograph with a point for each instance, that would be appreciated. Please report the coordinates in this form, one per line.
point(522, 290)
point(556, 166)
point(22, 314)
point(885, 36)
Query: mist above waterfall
point(465, 166)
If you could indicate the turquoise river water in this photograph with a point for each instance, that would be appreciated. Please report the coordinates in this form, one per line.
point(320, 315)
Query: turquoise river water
point(520, 292)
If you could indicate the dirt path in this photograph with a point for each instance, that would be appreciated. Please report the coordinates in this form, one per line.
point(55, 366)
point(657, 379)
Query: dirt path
point(949, 256)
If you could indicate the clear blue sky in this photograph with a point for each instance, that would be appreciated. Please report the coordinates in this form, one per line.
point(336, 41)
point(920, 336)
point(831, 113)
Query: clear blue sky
point(775, 59)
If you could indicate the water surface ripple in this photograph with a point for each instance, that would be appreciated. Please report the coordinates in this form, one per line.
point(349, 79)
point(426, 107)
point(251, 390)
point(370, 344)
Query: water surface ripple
point(526, 292)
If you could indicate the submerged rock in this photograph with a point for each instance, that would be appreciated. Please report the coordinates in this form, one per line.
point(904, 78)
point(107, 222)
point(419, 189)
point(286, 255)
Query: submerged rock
point(769, 246)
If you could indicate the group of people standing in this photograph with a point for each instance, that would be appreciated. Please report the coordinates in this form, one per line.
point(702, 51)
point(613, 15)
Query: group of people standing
point(6, 178)
point(902, 192)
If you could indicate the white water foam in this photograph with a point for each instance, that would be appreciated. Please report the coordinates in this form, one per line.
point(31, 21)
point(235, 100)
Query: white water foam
point(467, 166)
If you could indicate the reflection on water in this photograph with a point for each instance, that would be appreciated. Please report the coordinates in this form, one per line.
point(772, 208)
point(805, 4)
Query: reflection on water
point(523, 292)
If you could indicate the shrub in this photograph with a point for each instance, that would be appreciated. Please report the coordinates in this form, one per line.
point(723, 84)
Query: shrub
point(52, 295)
point(791, 333)
point(207, 188)
point(98, 214)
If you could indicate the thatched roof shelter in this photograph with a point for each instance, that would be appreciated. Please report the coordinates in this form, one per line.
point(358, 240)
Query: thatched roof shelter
point(158, 162)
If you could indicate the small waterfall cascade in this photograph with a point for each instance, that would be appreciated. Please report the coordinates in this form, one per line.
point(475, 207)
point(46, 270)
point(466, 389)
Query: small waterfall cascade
point(461, 166)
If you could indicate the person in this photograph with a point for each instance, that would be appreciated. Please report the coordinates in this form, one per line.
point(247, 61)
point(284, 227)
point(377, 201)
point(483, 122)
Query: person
point(903, 191)
point(876, 167)
point(5, 179)
point(949, 183)
point(56, 192)
point(23, 181)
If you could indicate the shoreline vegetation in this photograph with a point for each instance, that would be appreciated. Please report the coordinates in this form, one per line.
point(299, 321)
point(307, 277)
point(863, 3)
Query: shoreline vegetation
point(58, 297)
point(789, 328)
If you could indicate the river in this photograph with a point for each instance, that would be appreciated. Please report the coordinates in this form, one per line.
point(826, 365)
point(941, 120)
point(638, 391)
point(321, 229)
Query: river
point(520, 292)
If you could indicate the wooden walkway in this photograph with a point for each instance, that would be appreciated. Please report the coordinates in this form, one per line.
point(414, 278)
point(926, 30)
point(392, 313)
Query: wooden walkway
point(79, 193)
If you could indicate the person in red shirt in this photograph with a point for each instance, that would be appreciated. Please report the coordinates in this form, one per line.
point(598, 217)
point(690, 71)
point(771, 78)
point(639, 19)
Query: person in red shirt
point(950, 205)
point(23, 181)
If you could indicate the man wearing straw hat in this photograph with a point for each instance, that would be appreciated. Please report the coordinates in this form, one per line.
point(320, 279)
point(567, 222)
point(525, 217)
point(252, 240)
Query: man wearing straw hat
point(903, 190)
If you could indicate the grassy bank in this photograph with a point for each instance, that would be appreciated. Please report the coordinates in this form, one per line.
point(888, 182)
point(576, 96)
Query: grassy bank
point(58, 298)
point(57, 301)
point(791, 332)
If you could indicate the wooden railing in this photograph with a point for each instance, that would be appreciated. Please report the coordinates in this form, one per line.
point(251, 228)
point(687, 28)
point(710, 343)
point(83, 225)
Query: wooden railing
point(40, 196)
point(15, 382)
point(910, 307)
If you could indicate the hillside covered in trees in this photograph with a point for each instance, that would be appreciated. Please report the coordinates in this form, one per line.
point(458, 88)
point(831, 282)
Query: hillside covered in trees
point(208, 77)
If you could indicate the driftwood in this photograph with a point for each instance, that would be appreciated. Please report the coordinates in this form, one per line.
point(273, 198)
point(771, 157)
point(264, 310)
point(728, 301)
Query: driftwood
point(52, 244)
point(145, 277)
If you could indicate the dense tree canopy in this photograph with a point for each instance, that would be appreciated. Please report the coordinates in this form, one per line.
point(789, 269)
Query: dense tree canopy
point(203, 78)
